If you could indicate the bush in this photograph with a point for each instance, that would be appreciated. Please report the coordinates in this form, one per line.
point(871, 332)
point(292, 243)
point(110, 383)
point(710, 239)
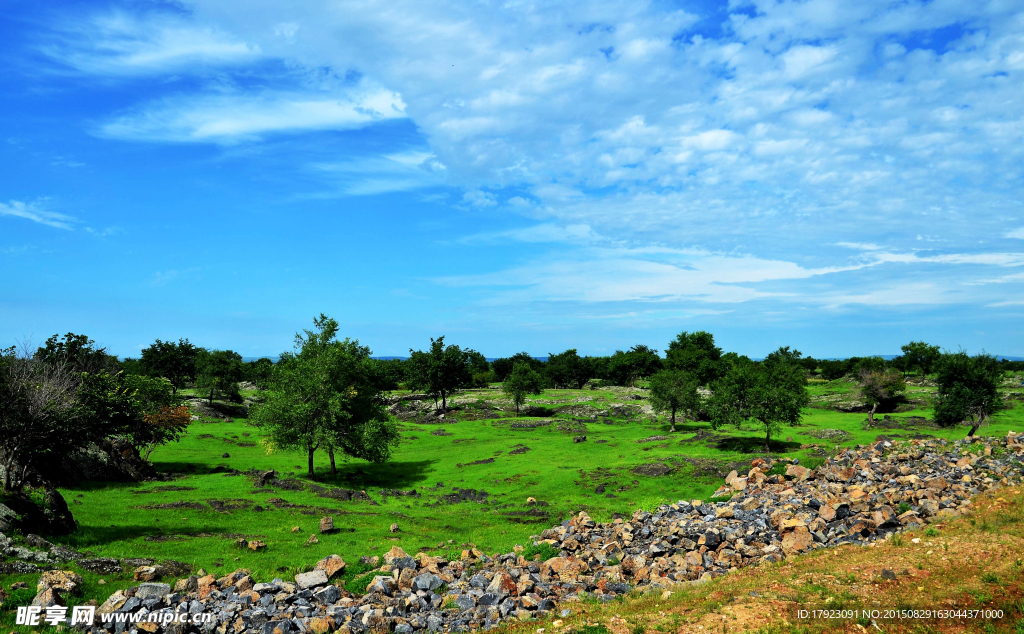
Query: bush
point(545, 550)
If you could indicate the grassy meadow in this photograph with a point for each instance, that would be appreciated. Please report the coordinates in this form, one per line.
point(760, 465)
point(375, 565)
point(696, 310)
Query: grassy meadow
point(197, 516)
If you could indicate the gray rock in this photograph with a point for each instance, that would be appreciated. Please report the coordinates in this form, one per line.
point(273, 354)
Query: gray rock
point(328, 595)
point(152, 590)
point(310, 579)
point(427, 582)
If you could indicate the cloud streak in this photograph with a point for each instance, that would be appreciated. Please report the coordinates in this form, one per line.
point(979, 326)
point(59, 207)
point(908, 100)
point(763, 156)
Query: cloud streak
point(35, 212)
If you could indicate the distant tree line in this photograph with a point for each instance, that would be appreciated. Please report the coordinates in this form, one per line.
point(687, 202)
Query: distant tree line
point(330, 394)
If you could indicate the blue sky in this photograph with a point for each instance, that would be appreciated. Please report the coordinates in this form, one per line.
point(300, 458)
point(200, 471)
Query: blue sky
point(838, 176)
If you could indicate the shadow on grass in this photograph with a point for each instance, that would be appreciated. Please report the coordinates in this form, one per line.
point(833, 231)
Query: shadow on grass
point(754, 445)
point(98, 485)
point(390, 475)
point(87, 536)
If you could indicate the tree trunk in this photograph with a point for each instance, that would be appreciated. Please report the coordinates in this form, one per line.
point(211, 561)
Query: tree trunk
point(311, 450)
point(673, 429)
point(444, 401)
point(330, 452)
point(211, 395)
point(871, 414)
point(974, 428)
point(768, 440)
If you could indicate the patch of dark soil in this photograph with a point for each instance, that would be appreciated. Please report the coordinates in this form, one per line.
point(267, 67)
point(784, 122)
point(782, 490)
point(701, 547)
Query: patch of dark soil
point(462, 495)
point(653, 469)
point(206, 436)
point(135, 562)
point(518, 450)
point(102, 565)
point(246, 443)
point(439, 432)
point(228, 505)
point(167, 488)
point(600, 441)
point(458, 441)
point(290, 484)
point(345, 494)
point(703, 435)
point(571, 426)
point(530, 425)
point(195, 506)
point(475, 462)
point(164, 538)
point(385, 493)
point(530, 516)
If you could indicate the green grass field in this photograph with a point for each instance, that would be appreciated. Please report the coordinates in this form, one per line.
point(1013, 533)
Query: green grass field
point(561, 475)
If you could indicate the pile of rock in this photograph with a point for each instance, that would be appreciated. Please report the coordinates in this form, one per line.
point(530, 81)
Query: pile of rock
point(858, 496)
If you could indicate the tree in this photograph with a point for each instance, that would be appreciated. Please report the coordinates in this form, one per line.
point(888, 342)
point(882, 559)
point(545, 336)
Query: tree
point(521, 381)
point(696, 354)
point(832, 369)
point(441, 371)
point(772, 393)
point(176, 362)
point(881, 387)
point(569, 370)
point(219, 371)
point(921, 356)
point(258, 372)
point(626, 368)
point(967, 389)
point(38, 414)
point(675, 391)
point(78, 352)
point(326, 395)
point(388, 373)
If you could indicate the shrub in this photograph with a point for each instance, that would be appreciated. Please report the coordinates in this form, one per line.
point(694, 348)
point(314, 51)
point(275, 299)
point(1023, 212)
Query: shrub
point(545, 550)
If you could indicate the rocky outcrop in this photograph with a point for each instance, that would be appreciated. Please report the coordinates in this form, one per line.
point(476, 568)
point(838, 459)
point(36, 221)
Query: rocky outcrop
point(859, 496)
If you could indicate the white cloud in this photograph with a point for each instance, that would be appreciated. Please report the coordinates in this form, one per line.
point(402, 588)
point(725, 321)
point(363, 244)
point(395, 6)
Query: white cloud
point(232, 117)
point(1016, 233)
point(479, 199)
point(368, 175)
point(122, 43)
point(35, 212)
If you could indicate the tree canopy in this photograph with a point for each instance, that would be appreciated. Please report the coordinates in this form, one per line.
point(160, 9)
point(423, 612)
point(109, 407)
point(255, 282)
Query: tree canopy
point(326, 396)
point(674, 390)
point(881, 388)
point(176, 362)
point(522, 380)
point(967, 389)
point(218, 371)
point(569, 370)
point(696, 354)
point(626, 368)
point(440, 371)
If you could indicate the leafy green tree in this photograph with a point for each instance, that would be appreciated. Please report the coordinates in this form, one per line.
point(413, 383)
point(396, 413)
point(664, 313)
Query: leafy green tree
point(502, 367)
point(918, 355)
point(326, 396)
point(860, 365)
point(626, 368)
point(967, 389)
point(176, 362)
point(569, 370)
point(219, 371)
point(832, 369)
point(881, 388)
point(441, 371)
point(772, 393)
point(521, 381)
point(696, 354)
point(675, 391)
point(258, 372)
point(79, 352)
point(388, 373)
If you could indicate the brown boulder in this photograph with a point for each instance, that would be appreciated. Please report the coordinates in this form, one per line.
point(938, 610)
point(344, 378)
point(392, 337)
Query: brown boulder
point(797, 540)
point(332, 565)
